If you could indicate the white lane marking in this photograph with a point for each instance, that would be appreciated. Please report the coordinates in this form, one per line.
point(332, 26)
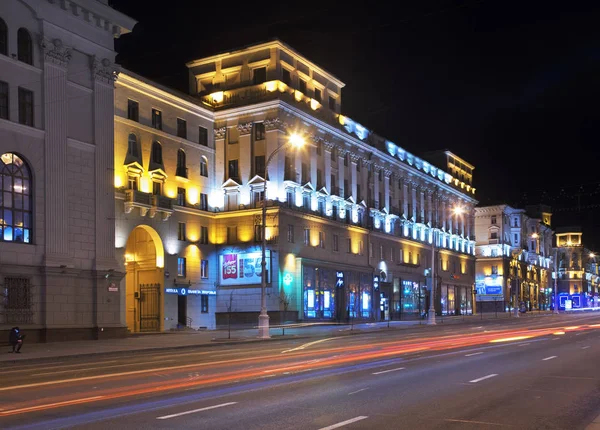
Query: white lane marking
point(475, 353)
point(358, 391)
point(166, 417)
point(95, 368)
point(585, 347)
point(549, 358)
point(306, 345)
point(484, 377)
point(524, 344)
point(343, 423)
point(389, 370)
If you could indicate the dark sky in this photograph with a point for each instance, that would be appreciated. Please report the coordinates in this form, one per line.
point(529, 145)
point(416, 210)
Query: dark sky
point(513, 87)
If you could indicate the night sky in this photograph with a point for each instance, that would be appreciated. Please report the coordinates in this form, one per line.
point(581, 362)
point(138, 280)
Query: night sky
point(511, 87)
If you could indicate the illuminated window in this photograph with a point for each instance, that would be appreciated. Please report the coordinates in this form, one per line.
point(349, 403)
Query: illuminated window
point(24, 46)
point(233, 170)
point(181, 269)
point(157, 119)
point(204, 166)
point(15, 200)
point(181, 196)
point(204, 269)
point(204, 303)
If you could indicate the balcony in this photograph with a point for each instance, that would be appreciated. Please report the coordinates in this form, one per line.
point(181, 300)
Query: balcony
point(137, 199)
point(161, 205)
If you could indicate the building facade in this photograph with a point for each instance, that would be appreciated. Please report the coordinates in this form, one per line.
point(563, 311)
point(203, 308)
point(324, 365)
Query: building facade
point(351, 215)
point(514, 253)
point(58, 270)
point(578, 277)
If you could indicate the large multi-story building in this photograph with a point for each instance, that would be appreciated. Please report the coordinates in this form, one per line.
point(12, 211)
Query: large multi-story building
point(578, 282)
point(514, 252)
point(58, 272)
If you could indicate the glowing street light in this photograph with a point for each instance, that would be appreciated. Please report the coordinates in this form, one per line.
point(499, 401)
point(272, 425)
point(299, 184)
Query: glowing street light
point(296, 141)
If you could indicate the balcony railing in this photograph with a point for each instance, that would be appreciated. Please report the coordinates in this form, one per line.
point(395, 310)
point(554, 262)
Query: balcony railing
point(137, 199)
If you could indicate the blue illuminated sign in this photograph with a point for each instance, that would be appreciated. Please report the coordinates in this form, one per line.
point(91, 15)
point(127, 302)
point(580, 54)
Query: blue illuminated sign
point(183, 291)
point(339, 279)
point(288, 279)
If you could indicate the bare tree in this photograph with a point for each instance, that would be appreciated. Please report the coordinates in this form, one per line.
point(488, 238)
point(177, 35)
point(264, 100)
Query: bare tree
point(285, 300)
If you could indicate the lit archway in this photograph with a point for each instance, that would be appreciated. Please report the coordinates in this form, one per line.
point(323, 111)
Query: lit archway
point(144, 260)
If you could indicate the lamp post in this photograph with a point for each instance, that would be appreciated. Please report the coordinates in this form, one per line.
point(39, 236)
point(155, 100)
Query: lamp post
point(516, 256)
point(555, 310)
point(295, 141)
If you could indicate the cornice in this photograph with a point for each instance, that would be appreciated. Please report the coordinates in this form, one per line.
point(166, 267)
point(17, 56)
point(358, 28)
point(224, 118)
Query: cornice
point(22, 129)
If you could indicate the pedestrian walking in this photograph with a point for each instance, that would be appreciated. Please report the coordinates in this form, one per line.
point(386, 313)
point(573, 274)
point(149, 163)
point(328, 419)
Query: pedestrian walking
point(15, 338)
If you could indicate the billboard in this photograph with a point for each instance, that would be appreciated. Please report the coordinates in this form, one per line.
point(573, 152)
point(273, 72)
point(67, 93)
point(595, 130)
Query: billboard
point(242, 268)
point(489, 285)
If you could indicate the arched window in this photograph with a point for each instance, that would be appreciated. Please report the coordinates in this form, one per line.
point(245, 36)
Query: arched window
point(156, 153)
point(15, 199)
point(181, 169)
point(3, 38)
point(203, 166)
point(24, 46)
point(132, 146)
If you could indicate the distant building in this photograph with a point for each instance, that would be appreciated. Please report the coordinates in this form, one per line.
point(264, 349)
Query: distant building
point(578, 276)
point(58, 274)
point(514, 251)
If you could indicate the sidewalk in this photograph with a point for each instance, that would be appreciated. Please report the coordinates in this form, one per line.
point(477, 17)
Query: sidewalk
point(239, 334)
point(185, 340)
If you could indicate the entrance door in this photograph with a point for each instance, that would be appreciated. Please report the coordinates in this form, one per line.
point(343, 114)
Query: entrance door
point(182, 310)
point(150, 307)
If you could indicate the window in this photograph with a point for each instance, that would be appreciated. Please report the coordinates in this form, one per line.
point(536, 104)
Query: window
point(204, 270)
point(233, 170)
point(516, 238)
point(133, 110)
point(260, 75)
point(156, 119)
point(301, 86)
point(25, 47)
point(370, 250)
point(290, 233)
point(493, 220)
point(202, 136)
point(204, 235)
point(232, 234)
point(203, 202)
point(181, 231)
point(132, 146)
point(257, 197)
point(259, 165)
point(156, 153)
point(381, 254)
point(336, 243)
point(259, 130)
point(4, 107)
point(3, 38)
point(331, 103)
point(392, 254)
point(181, 128)
point(181, 269)
point(349, 245)
point(318, 95)
point(181, 196)
point(307, 236)
point(286, 77)
point(18, 298)
point(494, 270)
point(25, 107)
point(494, 235)
point(15, 202)
point(321, 239)
point(181, 169)
point(204, 166)
point(258, 233)
point(156, 188)
point(204, 303)
point(132, 182)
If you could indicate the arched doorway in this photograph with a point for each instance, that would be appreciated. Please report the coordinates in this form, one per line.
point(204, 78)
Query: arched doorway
point(144, 259)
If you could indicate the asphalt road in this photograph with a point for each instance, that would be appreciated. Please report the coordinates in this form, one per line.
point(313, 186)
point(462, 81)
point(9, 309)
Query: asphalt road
point(529, 373)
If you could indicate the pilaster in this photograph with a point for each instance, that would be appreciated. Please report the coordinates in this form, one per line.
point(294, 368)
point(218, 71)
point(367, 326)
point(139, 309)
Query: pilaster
point(56, 60)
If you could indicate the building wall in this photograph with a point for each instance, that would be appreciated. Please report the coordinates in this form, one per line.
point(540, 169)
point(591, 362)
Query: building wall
point(70, 258)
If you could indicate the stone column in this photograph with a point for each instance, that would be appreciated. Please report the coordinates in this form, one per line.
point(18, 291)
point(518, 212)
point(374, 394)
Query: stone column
point(55, 108)
point(104, 74)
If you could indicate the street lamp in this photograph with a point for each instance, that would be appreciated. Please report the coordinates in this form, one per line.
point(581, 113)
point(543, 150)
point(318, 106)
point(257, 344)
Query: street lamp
point(295, 141)
point(457, 210)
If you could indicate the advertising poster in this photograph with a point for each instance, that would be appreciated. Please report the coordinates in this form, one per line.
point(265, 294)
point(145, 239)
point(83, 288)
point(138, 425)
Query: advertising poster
point(242, 268)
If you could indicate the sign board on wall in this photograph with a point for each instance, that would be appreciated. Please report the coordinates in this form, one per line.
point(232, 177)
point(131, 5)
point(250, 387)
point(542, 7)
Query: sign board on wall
point(490, 285)
point(242, 268)
point(113, 287)
point(184, 291)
